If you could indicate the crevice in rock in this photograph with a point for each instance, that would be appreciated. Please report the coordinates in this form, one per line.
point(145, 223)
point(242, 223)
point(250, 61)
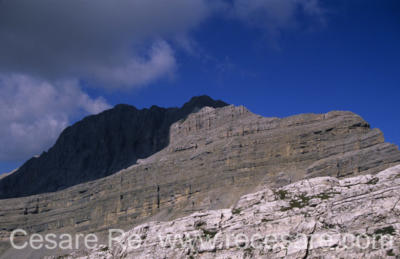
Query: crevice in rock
point(158, 196)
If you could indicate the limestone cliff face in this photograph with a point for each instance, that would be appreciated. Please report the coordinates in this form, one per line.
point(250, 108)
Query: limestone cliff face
point(314, 218)
point(98, 146)
point(214, 156)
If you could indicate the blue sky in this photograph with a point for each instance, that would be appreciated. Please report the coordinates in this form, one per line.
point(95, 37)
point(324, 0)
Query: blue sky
point(278, 58)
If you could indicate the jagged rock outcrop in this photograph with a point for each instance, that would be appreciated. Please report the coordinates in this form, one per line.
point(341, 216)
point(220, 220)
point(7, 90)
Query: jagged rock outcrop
point(214, 156)
point(323, 217)
point(98, 146)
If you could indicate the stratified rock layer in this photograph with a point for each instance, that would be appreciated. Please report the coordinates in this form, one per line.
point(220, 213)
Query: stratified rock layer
point(98, 146)
point(307, 219)
point(214, 157)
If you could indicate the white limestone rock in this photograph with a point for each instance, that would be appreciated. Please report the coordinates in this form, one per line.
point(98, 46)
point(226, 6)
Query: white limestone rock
point(314, 215)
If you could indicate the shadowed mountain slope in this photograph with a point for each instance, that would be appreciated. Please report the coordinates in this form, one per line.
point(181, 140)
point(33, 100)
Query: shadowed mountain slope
point(99, 145)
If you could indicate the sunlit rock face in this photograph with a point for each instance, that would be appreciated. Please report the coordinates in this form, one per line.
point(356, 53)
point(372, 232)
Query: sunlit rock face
point(307, 219)
point(212, 158)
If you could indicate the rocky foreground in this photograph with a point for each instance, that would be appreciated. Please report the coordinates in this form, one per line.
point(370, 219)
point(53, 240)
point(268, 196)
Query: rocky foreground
point(324, 217)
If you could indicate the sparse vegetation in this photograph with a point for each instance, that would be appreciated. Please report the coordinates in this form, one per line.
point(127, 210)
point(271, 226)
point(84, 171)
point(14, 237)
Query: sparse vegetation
point(103, 249)
point(236, 211)
point(248, 252)
point(390, 252)
point(299, 202)
point(329, 226)
point(199, 224)
point(385, 231)
point(325, 196)
point(281, 194)
point(373, 181)
point(210, 233)
point(378, 233)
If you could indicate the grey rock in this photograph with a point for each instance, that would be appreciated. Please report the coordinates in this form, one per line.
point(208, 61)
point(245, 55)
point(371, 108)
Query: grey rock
point(213, 157)
point(98, 146)
point(306, 219)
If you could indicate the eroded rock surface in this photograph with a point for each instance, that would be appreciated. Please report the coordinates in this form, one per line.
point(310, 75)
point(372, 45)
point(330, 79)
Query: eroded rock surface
point(214, 157)
point(314, 216)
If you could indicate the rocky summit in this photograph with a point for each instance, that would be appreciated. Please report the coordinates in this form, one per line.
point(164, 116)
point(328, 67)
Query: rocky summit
point(98, 146)
point(208, 157)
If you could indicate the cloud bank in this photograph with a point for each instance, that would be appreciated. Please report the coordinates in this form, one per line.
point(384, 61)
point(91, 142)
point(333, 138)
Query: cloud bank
point(85, 38)
point(34, 112)
point(47, 47)
point(122, 43)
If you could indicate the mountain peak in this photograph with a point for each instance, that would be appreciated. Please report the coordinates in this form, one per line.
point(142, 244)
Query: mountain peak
point(202, 101)
point(124, 106)
point(100, 145)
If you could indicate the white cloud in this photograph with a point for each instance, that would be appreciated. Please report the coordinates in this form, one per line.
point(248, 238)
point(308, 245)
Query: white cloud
point(100, 40)
point(275, 15)
point(33, 113)
point(159, 62)
point(106, 42)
